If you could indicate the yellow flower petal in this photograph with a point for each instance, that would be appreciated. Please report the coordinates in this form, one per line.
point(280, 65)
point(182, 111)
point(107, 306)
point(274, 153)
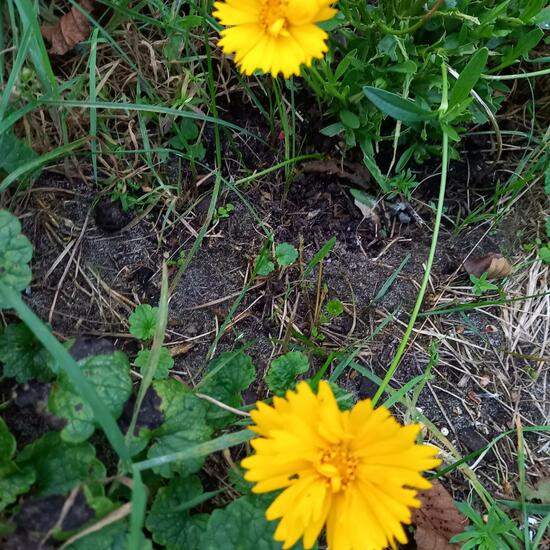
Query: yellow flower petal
point(274, 36)
point(354, 472)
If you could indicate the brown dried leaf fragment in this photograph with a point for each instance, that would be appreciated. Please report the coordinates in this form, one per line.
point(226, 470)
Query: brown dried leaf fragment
point(496, 266)
point(438, 520)
point(72, 28)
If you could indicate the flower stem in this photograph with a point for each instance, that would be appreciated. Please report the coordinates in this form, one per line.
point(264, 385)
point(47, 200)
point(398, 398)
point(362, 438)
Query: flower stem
point(424, 285)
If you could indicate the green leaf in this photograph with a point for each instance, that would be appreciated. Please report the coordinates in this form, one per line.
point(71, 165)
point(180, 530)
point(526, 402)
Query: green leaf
point(527, 42)
point(15, 153)
point(335, 307)
point(15, 253)
point(349, 119)
point(165, 364)
point(332, 129)
point(284, 370)
point(184, 425)
point(14, 483)
point(241, 526)
point(264, 266)
point(396, 106)
point(286, 254)
point(227, 376)
point(544, 254)
point(7, 443)
point(111, 537)
point(59, 465)
point(143, 322)
point(171, 525)
point(13, 480)
point(110, 377)
point(23, 356)
point(548, 226)
point(468, 77)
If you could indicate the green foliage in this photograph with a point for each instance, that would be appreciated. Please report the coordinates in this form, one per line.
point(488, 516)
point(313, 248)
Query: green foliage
point(15, 153)
point(59, 465)
point(227, 376)
point(143, 322)
point(495, 533)
point(284, 371)
point(481, 285)
point(15, 252)
point(241, 526)
point(225, 211)
point(165, 364)
point(112, 537)
point(334, 307)
point(184, 423)
point(386, 60)
point(13, 479)
point(110, 377)
point(170, 520)
point(23, 357)
point(285, 254)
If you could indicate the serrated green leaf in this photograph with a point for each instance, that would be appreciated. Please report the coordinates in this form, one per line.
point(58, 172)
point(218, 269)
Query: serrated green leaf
point(23, 356)
point(109, 376)
point(548, 226)
point(284, 370)
point(227, 376)
point(14, 483)
point(15, 253)
point(286, 254)
point(241, 526)
point(172, 527)
point(59, 465)
point(13, 480)
point(396, 106)
point(184, 425)
point(165, 364)
point(468, 77)
point(111, 537)
point(143, 322)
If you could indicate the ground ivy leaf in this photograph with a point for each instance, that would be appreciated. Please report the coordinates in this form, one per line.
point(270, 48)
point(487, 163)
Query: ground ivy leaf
point(172, 526)
point(284, 370)
point(59, 465)
point(15, 254)
point(184, 424)
point(111, 537)
point(14, 481)
point(227, 376)
point(110, 377)
point(165, 364)
point(286, 254)
point(241, 526)
point(143, 322)
point(23, 356)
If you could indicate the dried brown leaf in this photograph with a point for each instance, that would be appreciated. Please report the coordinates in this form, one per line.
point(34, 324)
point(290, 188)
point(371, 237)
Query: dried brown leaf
point(496, 266)
point(438, 520)
point(72, 28)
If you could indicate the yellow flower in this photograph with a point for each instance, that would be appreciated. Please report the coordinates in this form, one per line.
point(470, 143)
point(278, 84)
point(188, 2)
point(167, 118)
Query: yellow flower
point(354, 471)
point(275, 36)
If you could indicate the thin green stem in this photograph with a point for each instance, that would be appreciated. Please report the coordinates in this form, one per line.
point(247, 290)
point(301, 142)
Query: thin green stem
point(534, 74)
point(424, 285)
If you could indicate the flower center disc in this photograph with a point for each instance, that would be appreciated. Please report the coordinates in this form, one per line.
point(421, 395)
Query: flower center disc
point(338, 466)
point(273, 16)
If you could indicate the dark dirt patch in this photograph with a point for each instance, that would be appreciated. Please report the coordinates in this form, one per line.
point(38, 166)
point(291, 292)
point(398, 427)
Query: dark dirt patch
point(95, 277)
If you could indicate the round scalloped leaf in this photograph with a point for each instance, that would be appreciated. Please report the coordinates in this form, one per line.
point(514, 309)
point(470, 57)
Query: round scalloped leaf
point(15, 255)
point(113, 536)
point(169, 519)
point(110, 377)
